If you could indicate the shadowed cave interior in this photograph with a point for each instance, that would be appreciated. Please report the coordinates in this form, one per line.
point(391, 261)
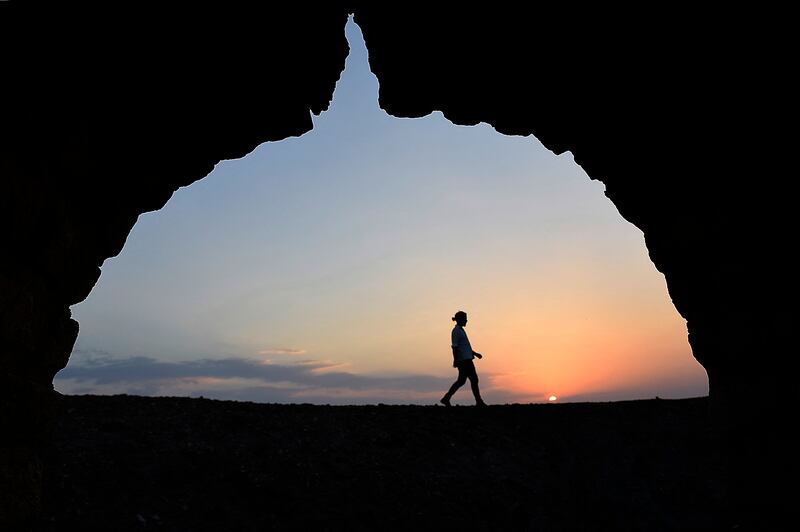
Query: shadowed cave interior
point(79, 146)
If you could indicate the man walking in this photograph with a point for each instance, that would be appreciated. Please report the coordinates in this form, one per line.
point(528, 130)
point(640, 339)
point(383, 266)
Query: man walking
point(462, 359)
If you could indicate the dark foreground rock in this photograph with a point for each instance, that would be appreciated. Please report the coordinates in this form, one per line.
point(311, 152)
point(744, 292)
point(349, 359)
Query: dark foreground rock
point(126, 462)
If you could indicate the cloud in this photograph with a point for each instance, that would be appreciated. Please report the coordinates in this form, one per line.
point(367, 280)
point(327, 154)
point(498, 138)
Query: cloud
point(142, 369)
point(281, 351)
point(244, 379)
point(227, 375)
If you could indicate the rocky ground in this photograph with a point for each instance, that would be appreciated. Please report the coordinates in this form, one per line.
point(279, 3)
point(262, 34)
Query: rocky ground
point(130, 463)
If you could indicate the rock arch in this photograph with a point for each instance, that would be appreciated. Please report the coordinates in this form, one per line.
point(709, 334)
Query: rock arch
point(106, 114)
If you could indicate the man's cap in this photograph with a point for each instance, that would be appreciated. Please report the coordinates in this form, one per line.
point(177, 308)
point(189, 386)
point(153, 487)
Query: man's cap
point(459, 314)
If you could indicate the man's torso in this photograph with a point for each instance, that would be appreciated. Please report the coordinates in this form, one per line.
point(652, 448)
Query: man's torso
point(460, 342)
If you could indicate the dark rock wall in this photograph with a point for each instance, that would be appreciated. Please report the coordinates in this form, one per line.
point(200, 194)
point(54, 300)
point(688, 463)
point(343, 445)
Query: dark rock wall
point(107, 113)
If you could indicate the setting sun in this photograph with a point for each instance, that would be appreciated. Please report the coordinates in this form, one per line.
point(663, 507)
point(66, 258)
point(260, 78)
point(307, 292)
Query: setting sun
point(552, 398)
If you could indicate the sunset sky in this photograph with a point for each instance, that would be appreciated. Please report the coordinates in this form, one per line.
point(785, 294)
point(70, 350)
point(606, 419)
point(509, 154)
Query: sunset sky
point(326, 268)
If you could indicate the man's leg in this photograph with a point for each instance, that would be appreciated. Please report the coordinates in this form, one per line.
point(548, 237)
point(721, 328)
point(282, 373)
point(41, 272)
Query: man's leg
point(462, 378)
point(473, 380)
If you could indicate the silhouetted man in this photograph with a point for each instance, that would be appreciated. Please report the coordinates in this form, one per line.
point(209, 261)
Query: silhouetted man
point(462, 359)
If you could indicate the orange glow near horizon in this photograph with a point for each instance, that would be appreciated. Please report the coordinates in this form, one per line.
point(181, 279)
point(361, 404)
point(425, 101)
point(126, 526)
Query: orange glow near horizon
point(586, 356)
point(583, 332)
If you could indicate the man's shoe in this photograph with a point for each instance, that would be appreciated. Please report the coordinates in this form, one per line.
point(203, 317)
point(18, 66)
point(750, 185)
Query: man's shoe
point(445, 401)
point(481, 404)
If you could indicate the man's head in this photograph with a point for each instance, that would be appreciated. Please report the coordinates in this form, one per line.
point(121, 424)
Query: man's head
point(460, 318)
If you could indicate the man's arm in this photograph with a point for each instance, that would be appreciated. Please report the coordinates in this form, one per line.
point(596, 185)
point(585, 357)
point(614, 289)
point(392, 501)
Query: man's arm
point(477, 354)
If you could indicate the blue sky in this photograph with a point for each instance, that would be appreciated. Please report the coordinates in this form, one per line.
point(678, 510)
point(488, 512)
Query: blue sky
point(325, 269)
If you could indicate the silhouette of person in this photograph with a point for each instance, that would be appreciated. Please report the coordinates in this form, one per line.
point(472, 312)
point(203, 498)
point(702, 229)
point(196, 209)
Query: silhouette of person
point(462, 359)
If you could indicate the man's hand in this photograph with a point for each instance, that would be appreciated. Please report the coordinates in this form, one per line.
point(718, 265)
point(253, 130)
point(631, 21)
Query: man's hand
point(477, 354)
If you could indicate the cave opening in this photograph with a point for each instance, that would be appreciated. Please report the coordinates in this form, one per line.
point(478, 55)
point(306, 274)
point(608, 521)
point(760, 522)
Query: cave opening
point(324, 269)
